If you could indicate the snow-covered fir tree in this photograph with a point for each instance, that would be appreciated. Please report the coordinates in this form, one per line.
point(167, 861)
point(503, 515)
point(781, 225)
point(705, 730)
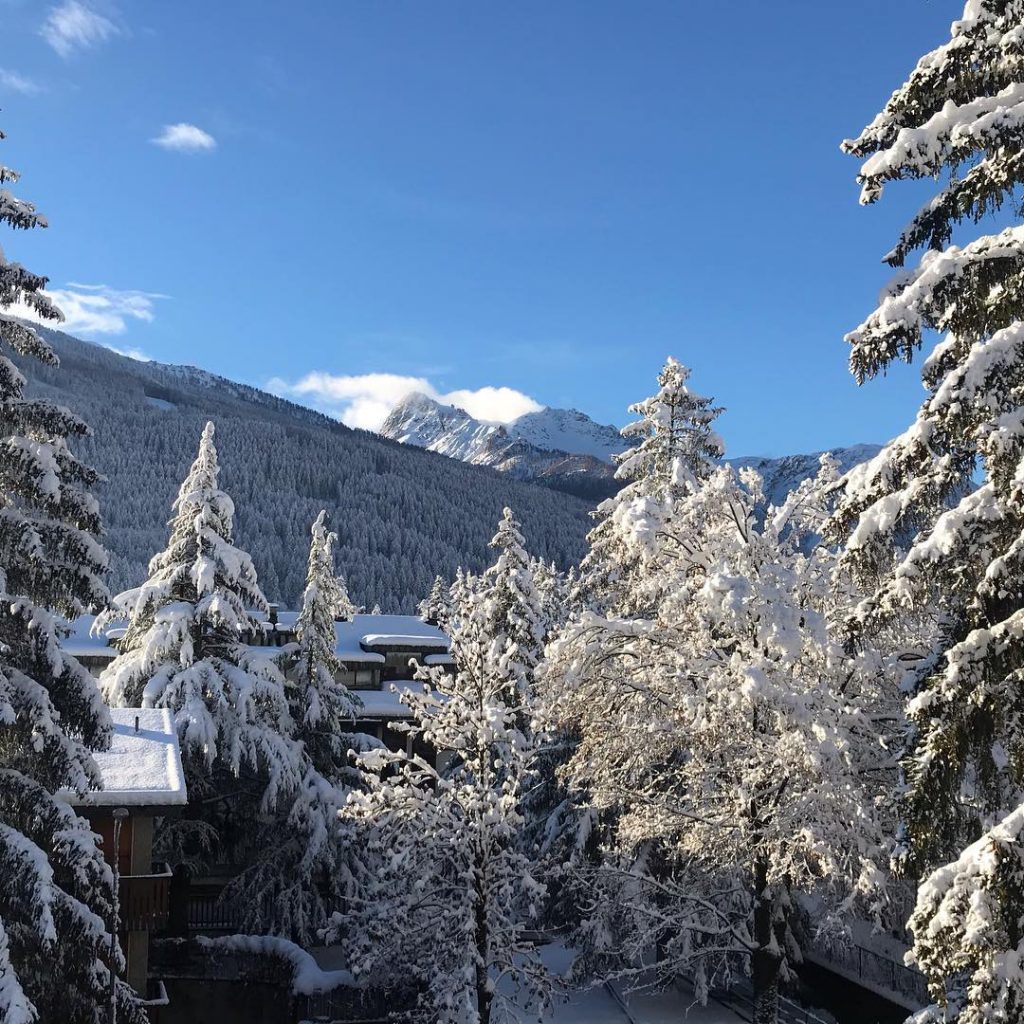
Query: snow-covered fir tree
point(345, 609)
point(57, 895)
point(322, 707)
point(301, 867)
point(958, 547)
point(675, 443)
point(448, 837)
point(434, 607)
point(719, 735)
point(517, 623)
point(185, 648)
point(553, 589)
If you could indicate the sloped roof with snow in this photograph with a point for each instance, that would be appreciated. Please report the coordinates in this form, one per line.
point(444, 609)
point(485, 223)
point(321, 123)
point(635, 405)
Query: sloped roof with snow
point(142, 766)
point(82, 644)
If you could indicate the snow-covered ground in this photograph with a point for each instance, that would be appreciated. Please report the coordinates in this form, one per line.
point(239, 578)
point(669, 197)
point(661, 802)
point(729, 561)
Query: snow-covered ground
point(598, 1005)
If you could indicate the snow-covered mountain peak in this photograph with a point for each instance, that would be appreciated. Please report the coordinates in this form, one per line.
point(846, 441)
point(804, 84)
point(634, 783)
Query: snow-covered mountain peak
point(568, 430)
point(783, 473)
point(419, 419)
point(561, 445)
point(566, 447)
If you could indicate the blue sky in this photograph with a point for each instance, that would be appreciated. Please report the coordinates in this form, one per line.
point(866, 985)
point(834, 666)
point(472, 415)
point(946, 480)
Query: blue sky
point(543, 196)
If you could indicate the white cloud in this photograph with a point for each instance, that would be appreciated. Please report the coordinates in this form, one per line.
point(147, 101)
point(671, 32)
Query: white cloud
point(91, 309)
point(184, 138)
point(12, 81)
point(493, 405)
point(131, 353)
point(73, 26)
point(365, 400)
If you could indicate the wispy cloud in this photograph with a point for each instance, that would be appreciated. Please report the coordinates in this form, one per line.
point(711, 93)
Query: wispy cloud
point(130, 352)
point(184, 138)
point(96, 309)
point(364, 400)
point(74, 25)
point(12, 81)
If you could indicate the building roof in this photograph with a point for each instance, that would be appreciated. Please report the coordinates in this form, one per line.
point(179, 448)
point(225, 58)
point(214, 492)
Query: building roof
point(142, 766)
point(439, 659)
point(386, 704)
point(358, 640)
point(408, 632)
point(82, 644)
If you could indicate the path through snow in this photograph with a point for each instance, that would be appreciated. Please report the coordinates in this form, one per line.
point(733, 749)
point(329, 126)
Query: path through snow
point(599, 1006)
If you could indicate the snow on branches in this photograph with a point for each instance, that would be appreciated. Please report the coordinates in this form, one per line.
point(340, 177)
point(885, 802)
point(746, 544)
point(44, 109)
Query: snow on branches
point(185, 648)
point(722, 732)
point(56, 891)
point(675, 446)
point(936, 521)
point(446, 835)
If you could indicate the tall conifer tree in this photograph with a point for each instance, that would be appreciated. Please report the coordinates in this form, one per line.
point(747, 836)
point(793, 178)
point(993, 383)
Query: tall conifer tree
point(960, 113)
point(674, 442)
point(186, 649)
point(448, 836)
point(56, 890)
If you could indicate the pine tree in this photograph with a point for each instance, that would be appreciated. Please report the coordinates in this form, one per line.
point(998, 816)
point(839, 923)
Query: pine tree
point(185, 649)
point(513, 606)
point(301, 867)
point(553, 591)
point(962, 560)
point(675, 443)
point(345, 609)
point(720, 738)
point(434, 607)
point(448, 841)
point(321, 705)
point(56, 891)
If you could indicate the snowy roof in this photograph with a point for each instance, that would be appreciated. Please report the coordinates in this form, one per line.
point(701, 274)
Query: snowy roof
point(82, 644)
point(142, 766)
point(405, 640)
point(404, 631)
point(385, 703)
point(439, 659)
point(353, 637)
point(285, 619)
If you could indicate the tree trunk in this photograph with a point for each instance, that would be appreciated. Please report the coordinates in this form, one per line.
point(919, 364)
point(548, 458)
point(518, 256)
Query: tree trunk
point(483, 990)
point(766, 962)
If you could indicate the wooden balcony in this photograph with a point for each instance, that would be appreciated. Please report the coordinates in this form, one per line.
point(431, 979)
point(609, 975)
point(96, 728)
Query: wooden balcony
point(145, 900)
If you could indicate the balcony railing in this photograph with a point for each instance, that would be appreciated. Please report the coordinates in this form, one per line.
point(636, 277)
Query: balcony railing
point(145, 900)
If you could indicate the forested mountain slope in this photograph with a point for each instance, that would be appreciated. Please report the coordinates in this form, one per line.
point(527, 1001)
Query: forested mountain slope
point(403, 514)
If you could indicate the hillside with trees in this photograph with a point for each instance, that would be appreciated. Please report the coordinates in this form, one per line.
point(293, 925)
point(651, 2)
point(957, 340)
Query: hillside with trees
point(402, 515)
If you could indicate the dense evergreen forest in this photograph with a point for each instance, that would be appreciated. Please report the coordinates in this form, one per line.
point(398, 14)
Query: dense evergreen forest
point(403, 515)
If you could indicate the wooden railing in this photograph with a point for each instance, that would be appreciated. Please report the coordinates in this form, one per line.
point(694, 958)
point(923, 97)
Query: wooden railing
point(208, 912)
point(145, 900)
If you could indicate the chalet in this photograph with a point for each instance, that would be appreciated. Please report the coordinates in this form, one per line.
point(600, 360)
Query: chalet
point(377, 650)
point(142, 781)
